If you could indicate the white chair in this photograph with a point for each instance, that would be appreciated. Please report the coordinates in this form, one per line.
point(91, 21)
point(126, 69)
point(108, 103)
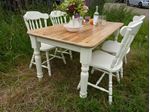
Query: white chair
point(110, 64)
point(112, 47)
point(135, 18)
point(35, 20)
point(59, 17)
point(139, 18)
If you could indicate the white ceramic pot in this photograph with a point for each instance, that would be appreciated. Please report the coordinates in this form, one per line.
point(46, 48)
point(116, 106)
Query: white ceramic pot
point(74, 25)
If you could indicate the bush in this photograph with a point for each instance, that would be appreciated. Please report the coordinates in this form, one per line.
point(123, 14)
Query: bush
point(14, 41)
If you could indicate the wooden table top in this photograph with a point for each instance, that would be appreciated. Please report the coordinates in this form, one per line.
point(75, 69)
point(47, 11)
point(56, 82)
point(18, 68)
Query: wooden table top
point(89, 36)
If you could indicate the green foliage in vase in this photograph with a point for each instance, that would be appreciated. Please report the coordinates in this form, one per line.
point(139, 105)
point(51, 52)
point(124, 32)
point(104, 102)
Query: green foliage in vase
point(73, 7)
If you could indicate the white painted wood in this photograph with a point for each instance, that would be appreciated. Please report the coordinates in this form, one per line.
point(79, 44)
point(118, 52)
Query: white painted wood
point(121, 72)
point(110, 88)
point(113, 47)
point(31, 17)
point(59, 17)
point(63, 57)
point(123, 48)
point(135, 18)
point(92, 71)
point(37, 58)
point(100, 88)
point(139, 18)
point(33, 20)
point(118, 76)
point(59, 44)
point(48, 63)
point(84, 80)
point(116, 34)
point(110, 64)
point(85, 57)
point(32, 60)
point(100, 79)
point(40, 22)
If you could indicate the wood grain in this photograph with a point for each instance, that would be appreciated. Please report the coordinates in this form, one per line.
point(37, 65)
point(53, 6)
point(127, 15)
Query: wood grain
point(88, 36)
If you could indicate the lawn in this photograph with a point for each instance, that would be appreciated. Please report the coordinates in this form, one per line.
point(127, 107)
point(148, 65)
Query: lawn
point(20, 90)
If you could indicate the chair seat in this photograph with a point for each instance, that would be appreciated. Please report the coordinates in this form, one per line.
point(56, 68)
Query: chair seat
point(112, 46)
point(46, 47)
point(103, 61)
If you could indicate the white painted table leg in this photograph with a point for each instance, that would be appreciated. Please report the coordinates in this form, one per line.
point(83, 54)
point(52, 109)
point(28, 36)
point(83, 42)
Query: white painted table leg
point(38, 63)
point(36, 46)
point(85, 58)
point(84, 80)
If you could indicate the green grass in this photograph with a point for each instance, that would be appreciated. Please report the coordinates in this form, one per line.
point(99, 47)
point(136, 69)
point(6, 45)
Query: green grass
point(20, 90)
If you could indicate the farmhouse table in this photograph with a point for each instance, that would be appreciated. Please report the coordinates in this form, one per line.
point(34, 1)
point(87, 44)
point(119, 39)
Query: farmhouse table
point(83, 42)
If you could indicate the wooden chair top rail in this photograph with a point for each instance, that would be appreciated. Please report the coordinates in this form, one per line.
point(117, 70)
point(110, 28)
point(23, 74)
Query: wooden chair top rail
point(89, 36)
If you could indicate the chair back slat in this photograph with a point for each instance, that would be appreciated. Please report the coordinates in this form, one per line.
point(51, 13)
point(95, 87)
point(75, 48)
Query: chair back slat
point(58, 20)
point(65, 19)
point(40, 23)
point(45, 22)
point(33, 20)
point(128, 33)
point(33, 24)
point(36, 23)
point(58, 17)
point(30, 25)
point(61, 20)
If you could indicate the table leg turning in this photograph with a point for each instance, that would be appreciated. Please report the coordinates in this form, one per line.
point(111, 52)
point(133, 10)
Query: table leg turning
point(85, 58)
point(36, 46)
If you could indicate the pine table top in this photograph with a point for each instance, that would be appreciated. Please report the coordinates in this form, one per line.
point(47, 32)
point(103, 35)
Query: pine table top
point(89, 36)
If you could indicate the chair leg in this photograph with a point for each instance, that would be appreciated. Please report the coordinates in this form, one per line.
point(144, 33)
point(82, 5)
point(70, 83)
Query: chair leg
point(125, 59)
point(63, 57)
point(48, 63)
point(92, 71)
point(56, 49)
point(110, 88)
point(31, 62)
point(121, 72)
point(78, 87)
point(118, 77)
point(70, 53)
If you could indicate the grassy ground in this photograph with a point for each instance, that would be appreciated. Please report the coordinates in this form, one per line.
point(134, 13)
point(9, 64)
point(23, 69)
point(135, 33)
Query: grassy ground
point(20, 90)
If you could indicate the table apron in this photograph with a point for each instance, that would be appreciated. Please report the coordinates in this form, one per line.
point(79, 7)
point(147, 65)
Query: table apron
point(61, 44)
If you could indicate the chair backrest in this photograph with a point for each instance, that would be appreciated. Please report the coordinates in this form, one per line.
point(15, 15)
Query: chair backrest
point(139, 18)
point(58, 17)
point(131, 25)
point(128, 33)
point(35, 20)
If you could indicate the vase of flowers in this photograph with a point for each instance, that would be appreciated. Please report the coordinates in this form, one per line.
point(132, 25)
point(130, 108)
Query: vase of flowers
point(75, 9)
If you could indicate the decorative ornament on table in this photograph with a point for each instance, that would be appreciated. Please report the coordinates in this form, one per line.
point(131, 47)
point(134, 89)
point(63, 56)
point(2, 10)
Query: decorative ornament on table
point(75, 9)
